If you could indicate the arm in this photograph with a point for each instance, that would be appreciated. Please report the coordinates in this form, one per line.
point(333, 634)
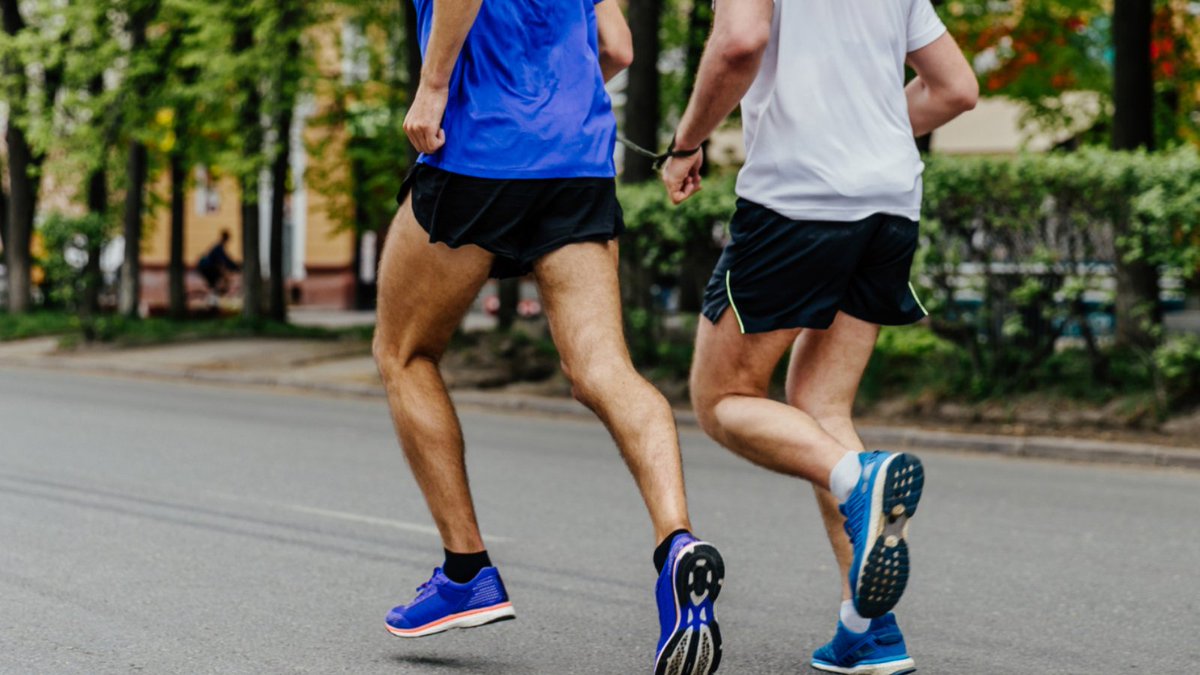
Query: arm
point(221, 258)
point(452, 21)
point(945, 86)
point(741, 30)
point(616, 43)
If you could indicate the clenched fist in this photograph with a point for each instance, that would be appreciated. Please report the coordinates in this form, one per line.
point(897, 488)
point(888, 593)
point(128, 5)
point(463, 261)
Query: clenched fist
point(423, 124)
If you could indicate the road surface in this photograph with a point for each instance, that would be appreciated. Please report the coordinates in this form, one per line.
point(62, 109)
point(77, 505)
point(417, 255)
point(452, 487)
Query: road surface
point(177, 528)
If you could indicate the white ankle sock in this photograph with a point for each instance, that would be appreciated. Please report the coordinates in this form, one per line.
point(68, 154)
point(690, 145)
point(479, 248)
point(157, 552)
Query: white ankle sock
point(851, 619)
point(845, 476)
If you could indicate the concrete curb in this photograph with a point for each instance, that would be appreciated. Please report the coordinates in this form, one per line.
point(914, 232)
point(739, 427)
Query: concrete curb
point(1041, 447)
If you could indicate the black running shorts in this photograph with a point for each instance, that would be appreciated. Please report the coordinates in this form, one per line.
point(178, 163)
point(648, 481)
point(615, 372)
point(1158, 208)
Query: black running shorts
point(779, 273)
point(519, 221)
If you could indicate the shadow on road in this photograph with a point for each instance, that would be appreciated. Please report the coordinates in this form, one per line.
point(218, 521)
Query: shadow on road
point(460, 664)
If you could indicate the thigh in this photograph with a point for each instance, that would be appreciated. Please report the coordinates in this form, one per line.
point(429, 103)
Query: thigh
point(581, 295)
point(728, 362)
point(425, 289)
point(827, 366)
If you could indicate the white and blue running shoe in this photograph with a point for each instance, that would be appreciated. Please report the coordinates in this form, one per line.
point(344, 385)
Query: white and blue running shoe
point(877, 514)
point(879, 651)
point(691, 579)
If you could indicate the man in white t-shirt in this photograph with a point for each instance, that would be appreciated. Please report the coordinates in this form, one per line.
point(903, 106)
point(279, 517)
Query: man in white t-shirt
point(821, 252)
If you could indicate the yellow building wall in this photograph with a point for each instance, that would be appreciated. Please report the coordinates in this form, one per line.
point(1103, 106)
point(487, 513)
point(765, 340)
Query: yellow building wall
point(200, 231)
point(326, 244)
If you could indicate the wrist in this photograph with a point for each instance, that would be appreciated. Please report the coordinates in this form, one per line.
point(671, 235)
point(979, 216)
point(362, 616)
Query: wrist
point(684, 145)
point(434, 81)
point(685, 142)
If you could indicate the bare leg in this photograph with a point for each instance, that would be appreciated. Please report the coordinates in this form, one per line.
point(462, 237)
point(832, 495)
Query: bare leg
point(823, 379)
point(730, 379)
point(581, 294)
point(424, 291)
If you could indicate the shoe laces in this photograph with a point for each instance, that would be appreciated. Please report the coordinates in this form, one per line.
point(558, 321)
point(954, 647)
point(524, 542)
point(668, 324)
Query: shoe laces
point(429, 587)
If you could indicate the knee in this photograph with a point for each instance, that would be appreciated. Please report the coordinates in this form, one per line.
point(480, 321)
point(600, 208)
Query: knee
point(394, 357)
point(389, 358)
point(594, 381)
point(705, 397)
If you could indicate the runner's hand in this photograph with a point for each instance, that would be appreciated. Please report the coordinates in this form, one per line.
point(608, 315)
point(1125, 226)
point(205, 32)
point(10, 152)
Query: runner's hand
point(681, 176)
point(423, 124)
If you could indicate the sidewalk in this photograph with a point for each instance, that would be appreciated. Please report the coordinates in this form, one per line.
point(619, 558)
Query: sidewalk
point(348, 369)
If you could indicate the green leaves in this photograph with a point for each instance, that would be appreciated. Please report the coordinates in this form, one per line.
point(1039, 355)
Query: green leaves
point(664, 232)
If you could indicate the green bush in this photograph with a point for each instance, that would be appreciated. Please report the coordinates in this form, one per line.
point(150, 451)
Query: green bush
point(913, 360)
point(1036, 238)
point(1178, 366)
point(72, 259)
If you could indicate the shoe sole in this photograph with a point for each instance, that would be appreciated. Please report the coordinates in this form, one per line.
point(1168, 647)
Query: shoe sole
point(883, 574)
point(904, 667)
point(471, 619)
point(695, 646)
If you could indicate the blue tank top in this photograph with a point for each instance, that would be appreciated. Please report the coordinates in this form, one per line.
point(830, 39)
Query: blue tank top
point(527, 96)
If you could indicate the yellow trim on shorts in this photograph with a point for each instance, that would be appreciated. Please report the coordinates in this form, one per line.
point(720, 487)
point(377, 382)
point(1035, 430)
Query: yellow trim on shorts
point(733, 306)
point(918, 299)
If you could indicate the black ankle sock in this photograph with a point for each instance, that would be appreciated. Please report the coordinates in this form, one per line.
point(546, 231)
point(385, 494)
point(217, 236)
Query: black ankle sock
point(463, 567)
point(660, 553)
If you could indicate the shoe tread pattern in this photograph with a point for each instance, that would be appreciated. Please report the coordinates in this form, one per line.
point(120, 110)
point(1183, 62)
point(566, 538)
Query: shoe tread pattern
point(695, 647)
point(885, 574)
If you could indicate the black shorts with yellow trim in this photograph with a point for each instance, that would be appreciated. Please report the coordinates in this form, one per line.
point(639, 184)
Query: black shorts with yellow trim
point(778, 273)
point(517, 220)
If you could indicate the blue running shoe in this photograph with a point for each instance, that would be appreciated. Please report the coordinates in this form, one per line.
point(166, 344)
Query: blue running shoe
point(879, 651)
point(441, 605)
point(690, 642)
point(877, 514)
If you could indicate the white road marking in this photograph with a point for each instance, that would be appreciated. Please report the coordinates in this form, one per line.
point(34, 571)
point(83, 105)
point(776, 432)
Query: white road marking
point(416, 528)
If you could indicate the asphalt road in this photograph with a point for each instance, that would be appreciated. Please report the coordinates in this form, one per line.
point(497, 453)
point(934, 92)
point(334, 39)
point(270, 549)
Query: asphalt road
point(163, 528)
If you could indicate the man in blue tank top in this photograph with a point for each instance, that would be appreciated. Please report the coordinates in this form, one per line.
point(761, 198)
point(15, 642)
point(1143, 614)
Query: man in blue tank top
point(516, 177)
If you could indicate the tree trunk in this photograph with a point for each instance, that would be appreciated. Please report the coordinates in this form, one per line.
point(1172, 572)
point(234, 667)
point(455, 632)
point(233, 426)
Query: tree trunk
point(279, 187)
point(97, 200)
point(510, 297)
point(1133, 83)
point(176, 267)
point(1137, 303)
point(21, 206)
point(699, 26)
point(288, 77)
point(129, 301)
point(3, 217)
point(23, 187)
point(252, 147)
point(642, 109)
point(251, 260)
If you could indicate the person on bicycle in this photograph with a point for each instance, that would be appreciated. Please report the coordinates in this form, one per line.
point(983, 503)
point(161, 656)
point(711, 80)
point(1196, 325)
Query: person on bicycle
point(216, 264)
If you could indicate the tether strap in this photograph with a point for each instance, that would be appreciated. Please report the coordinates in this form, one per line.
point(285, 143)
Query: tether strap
point(659, 159)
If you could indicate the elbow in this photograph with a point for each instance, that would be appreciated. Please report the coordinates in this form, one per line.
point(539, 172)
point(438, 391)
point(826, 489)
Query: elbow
point(745, 48)
point(964, 96)
point(619, 56)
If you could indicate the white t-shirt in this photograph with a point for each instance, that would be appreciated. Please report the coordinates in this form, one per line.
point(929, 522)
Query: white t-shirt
point(828, 136)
